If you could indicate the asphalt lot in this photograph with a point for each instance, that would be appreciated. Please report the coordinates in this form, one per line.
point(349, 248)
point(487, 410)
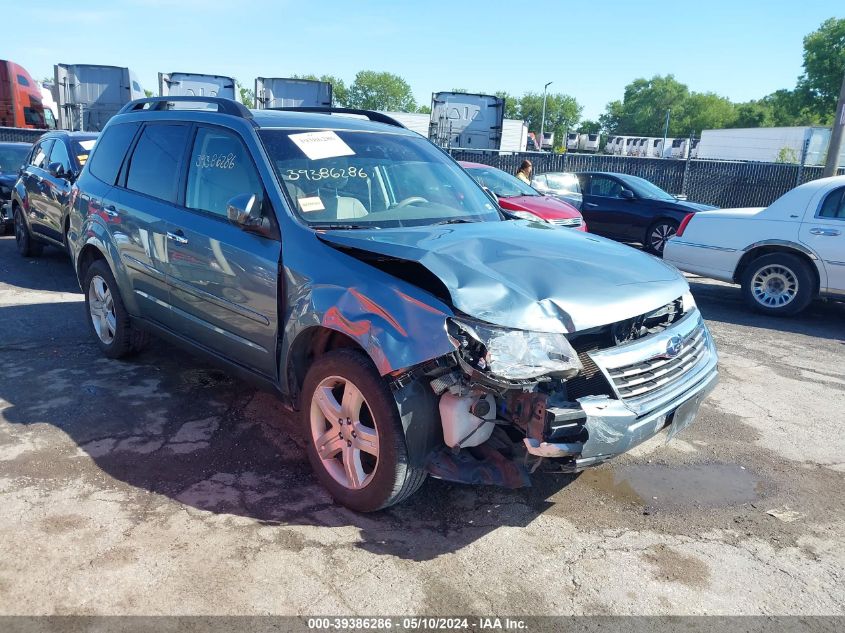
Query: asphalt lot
point(162, 486)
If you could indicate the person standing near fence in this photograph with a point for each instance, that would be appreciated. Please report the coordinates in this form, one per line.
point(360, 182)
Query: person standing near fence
point(525, 171)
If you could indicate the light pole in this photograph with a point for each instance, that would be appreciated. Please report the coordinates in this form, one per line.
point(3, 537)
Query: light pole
point(543, 119)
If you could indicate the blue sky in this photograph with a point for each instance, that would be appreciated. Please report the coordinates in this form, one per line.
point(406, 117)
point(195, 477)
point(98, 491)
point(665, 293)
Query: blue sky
point(741, 49)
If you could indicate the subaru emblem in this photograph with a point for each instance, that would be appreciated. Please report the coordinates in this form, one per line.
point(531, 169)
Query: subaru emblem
point(673, 346)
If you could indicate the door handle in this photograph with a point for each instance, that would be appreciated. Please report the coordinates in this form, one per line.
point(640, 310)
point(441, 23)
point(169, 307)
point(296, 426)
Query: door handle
point(111, 211)
point(592, 205)
point(177, 237)
point(827, 232)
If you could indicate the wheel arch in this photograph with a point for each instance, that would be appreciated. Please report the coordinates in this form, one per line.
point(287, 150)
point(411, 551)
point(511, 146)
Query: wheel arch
point(767, 248)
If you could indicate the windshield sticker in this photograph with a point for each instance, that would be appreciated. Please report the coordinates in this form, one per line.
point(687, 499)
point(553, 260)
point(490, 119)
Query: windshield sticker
point(88, 145)
point(317, 145)
point(311, 204)
point(325, 173)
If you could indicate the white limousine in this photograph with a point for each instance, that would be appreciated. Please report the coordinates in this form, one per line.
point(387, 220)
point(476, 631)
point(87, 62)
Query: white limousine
point(783, 255)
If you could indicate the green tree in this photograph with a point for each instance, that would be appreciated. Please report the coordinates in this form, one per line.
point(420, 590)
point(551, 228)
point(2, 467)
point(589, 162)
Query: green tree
point(148, 93)
point(374, 90)
point(424, 109)
point(644, 105)
point(824, 66)
point(589, 127)
point(511, 104)
point(340, 94)
point(703, 111)
point(562, 113)
point(247, 95)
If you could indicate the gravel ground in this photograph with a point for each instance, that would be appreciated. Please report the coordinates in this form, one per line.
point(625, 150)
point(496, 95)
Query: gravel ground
point(163, 486)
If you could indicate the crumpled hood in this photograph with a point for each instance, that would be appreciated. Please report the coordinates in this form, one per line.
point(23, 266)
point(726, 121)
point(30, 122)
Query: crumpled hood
point(528, 275)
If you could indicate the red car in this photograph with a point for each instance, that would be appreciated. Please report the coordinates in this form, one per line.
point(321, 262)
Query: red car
point(522, 200)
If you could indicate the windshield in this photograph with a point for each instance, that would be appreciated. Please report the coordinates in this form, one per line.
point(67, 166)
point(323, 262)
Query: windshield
point(564, 182)
point(82, 149)
point(351, 179)
point(645, 189)
point(13, 156)
point(502, 184)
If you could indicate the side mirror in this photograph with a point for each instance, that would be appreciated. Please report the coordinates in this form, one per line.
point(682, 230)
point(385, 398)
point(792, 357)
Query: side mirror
point(627, 194)
point(244, 210)
point(56, 170)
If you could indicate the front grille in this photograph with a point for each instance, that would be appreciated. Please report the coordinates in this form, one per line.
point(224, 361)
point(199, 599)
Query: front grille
point(570, 222)
point(644, 378)
point(590, 382)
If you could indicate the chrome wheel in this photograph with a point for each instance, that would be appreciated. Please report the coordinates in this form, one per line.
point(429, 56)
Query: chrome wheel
point(344, 432)
point(660, 235)
point(101, 307)
point(774, 286)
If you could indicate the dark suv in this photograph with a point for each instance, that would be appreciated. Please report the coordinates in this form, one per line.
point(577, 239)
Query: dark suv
point(354, 267)
point(41, 196)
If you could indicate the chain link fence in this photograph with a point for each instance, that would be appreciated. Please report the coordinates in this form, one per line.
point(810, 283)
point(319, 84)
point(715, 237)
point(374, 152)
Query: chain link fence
point(720, 183)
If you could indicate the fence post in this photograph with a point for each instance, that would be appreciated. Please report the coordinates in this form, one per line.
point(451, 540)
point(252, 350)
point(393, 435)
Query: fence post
point(803, 160)
point(686, 165)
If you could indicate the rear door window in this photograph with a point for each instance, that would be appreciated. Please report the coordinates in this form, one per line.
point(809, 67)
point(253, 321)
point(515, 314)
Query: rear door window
point(834, 205)
point(110, 151)
point(603, 186)
point(155, 164)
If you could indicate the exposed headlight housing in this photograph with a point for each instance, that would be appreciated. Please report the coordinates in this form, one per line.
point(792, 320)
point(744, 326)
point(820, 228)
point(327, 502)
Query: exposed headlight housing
point(526, 215)
point(511, 354)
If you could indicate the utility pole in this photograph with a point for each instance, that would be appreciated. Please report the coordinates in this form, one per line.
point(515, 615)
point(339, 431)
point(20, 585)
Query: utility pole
point(543, 119)
point(835, 145)
point(666, 130)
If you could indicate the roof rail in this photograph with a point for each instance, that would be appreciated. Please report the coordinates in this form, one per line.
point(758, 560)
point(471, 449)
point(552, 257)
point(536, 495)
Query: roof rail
point(372, 115)
point(224, 106)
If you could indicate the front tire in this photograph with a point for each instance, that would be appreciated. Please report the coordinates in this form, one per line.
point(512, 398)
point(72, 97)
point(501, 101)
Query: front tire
point(778, 284)
point(356, 444)
point(658, 234)
point(110, 322)
point(27, 246)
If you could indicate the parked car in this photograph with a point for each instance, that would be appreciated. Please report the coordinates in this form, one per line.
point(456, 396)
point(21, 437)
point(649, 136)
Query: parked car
point(42, 194)
point(783, 255)
point(523, 201)
point(12, 158)
point(357, 269)
point(632, 209)
point(559, 184)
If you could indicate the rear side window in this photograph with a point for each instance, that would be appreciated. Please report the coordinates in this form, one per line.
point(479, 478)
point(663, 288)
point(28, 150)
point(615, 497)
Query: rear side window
point(154, 166)
point(220, 168)
point(110, 150)
point(834, 205)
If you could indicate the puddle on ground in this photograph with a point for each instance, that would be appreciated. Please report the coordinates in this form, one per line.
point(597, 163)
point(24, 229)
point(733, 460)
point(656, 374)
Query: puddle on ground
point(656, 485)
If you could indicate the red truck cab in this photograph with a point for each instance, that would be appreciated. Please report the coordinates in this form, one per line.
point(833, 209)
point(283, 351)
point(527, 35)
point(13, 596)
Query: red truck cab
point(20, 98)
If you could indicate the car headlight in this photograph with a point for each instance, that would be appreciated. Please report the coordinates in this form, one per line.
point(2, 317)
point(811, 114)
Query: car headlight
point(688, 301)
point(525, 215)
point(514, 354)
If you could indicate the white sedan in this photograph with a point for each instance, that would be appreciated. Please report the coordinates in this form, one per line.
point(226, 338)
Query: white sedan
point(783, 255)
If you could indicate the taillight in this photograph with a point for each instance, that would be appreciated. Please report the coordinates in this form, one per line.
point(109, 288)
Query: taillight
point(684, 223)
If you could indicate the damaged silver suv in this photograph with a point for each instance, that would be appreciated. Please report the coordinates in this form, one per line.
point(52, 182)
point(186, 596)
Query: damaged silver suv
point(358, 270)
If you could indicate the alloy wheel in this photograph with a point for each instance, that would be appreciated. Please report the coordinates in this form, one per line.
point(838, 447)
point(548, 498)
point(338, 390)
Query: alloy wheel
point(774, 286)
point(344, 432)
point(660, 235)
point(101, 307)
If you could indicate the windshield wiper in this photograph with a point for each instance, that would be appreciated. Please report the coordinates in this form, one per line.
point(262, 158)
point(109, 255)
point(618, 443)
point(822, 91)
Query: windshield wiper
point(344, 227)
point(455, 221)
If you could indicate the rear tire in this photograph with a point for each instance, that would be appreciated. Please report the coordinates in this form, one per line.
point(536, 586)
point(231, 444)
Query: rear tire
point(356, 443)
point(778, 284)
point(658, 234)
point(27, 246)
point(110, 323)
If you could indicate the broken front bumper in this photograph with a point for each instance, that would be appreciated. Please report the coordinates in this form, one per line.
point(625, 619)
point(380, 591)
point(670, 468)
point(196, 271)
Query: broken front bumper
point(658, 382)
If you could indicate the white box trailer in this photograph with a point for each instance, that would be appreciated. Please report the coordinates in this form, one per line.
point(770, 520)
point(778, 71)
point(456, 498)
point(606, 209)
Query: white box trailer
point(88, 95)
point(514, 131)
point(572, 141)
point(767, 144)
point(283, 92)
point(470, 121)
point(589, 142)
point(196, 85)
